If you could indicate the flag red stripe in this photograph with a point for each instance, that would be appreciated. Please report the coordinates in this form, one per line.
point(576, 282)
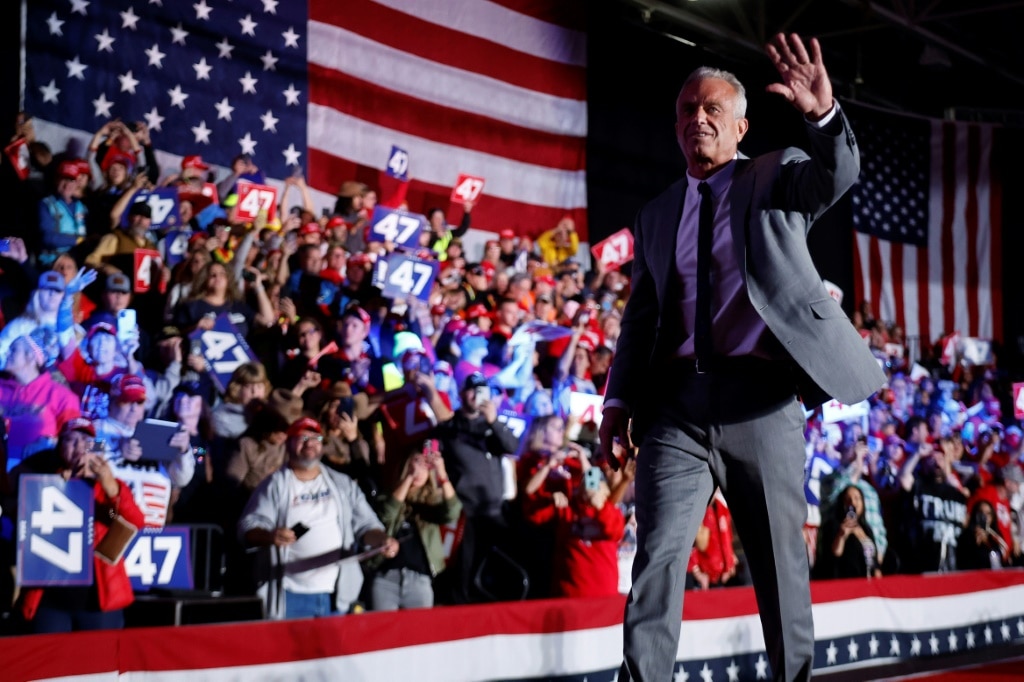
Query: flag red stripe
point(946, 220)
point(393, 110)
point(876, 278)
point(858, 273)
point(452, 48)
point(896, 272)
point(565, 14)
point(973, 154)
point(923, 298)
point(491, 213)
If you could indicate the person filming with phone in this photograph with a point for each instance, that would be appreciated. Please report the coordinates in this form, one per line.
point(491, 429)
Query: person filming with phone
point(413, 514)
point(98, 606)
point(846, 546)
point(473, 442)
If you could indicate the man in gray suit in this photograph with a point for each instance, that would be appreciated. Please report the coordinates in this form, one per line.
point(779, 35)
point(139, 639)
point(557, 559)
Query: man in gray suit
point(731, 319)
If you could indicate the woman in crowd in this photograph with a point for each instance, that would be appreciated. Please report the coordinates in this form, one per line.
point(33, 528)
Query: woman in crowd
point(846, 545)
point(980, 546)
point(98, 606)
point(184, 274)
point(260, 451)
point(33, 404)
point(413, 514)
point(213, 293)
point(98, 358)
point(248, 383)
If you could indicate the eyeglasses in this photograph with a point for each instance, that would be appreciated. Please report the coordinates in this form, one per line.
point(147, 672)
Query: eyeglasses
point(306, 439)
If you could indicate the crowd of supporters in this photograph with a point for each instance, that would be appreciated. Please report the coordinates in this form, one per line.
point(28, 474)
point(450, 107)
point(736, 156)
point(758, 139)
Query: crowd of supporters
point(436, 450)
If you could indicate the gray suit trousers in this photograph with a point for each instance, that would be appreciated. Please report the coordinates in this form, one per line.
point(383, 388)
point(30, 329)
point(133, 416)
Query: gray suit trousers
point(745, 434)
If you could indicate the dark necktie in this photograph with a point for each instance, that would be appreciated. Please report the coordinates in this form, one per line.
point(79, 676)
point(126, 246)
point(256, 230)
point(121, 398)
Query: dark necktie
point(702, 323)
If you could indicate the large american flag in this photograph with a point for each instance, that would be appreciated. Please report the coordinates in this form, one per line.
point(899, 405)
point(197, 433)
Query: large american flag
point(490, 89)
point(928, 219)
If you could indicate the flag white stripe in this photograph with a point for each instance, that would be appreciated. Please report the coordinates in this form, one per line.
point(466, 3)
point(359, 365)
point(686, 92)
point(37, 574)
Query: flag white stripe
point(336, 48)
point(500, 25)
point(863, 246)
point(986, 325)
point(505, 178)
point(961, 319)
point(911, 324)
point(936, 315)
point(887, 302)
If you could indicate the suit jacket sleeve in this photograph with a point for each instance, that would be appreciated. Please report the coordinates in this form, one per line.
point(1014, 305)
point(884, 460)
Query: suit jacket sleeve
point(639, 325)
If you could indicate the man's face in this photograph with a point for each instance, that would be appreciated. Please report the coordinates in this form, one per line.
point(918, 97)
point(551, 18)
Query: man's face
point(140, 224)
point(508, 314)
point(128, 413)
point(477, 279)
point(305, 449)
point(311, 261)
point(115, 301)
point(75, 448)
point(309, 336)
point(103, 348)
point(706, 125)
point(353, 331)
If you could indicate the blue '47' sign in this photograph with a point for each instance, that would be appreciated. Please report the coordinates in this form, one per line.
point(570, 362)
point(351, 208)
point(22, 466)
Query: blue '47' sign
point(401, 276)
point(163, 206)
point(399, 227)
point(159, 558)
point(398, 163)
point(55, 531)
point(224, 349)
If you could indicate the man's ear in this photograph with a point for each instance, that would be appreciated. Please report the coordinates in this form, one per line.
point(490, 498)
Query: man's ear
point(741, 128)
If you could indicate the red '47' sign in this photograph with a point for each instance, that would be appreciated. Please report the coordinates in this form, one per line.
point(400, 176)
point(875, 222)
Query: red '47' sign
point(467, 188)
point(615, 250)
point(148, 270)
point(252, 199)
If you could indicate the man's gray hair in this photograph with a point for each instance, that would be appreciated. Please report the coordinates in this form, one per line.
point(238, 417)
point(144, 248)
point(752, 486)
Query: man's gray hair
point(706, 72)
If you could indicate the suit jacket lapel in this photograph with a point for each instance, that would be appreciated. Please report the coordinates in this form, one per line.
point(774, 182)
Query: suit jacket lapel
point(664, 248)
point(740, 197)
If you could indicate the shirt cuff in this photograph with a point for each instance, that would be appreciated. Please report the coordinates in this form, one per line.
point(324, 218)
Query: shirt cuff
point(827, 118)
point(613, 402)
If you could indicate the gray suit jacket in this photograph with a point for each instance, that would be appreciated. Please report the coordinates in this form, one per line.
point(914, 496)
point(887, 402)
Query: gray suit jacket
point(775, 200)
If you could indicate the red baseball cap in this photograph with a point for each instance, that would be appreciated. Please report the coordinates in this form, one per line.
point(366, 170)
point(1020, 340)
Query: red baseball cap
point(477, 310)
point(78, 424)
point(356, 311)
point(336, 221)
point(507, 233)
point(310, 228)
point(128, 388)
point(304, 424)
point(68, 170)
point(117, 156)
point(194, 161)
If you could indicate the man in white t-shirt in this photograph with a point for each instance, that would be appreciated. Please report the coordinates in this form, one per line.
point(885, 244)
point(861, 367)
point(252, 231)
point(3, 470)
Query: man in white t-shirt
point(312, 521)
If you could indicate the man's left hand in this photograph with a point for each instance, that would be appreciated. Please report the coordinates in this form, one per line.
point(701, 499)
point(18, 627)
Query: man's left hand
point(805, 82)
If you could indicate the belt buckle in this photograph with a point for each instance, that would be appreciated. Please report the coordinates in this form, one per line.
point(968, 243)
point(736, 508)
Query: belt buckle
point(697, 367)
